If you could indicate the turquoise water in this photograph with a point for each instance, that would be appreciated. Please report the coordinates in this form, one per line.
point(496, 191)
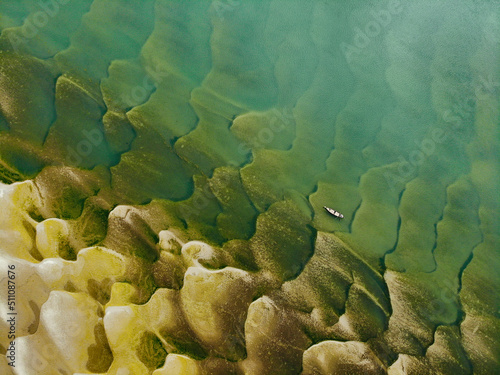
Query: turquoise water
point(141, 126)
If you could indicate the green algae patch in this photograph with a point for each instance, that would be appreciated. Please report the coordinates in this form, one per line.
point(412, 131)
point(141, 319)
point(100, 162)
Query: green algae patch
point(199, 212)
point(151, 351)
point(13, 170)
point(283, 241)
point(158, 172)
point(118, 132)
point(100, 355)
point(64, 190)
point(186, 346)
point(24, 79)
point(168, 271)
point(446, 353)
point(77, 135)
point(126, 85)
point(211, 144)
point(19, 159)
point(92, 224)
point(127, 223)
point(337, 282)
point(272, 129)
point(100, 291)
point(238, 214)
point(241, 254)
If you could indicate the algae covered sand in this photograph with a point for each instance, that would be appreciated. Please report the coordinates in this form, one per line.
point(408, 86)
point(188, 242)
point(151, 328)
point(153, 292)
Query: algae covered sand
point(164, 166)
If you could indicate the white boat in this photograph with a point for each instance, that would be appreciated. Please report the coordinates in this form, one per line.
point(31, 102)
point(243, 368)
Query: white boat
point(333, 212)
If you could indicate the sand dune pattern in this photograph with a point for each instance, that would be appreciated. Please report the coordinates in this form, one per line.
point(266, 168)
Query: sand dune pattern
point(165, 165)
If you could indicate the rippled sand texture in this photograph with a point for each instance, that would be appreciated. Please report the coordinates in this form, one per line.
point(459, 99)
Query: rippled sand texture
point(165, 165)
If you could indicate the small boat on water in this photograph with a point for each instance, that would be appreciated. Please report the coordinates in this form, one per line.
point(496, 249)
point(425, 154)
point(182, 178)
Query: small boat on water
point(331, 211)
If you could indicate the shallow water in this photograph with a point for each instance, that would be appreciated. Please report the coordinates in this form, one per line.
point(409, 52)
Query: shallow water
point(165, 165)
